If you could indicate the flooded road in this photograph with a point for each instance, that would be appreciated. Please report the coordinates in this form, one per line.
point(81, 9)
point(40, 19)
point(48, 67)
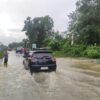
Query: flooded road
point(68, 83)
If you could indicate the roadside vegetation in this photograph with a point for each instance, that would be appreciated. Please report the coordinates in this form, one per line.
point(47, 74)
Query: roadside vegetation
point(2, 48)
point(82, 38)
point(1, 55)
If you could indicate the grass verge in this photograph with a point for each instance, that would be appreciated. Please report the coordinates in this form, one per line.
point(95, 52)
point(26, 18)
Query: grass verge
point(1, 55)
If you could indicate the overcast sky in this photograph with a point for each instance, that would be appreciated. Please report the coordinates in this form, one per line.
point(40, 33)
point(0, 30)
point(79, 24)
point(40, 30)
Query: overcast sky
point(14, 12)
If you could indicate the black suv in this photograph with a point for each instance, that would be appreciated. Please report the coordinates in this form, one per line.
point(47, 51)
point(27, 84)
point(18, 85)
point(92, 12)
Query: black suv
point(40, 60)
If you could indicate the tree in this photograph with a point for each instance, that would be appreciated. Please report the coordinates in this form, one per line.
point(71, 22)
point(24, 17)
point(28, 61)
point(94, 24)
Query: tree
point(85, 22)
point(25, 43)
point(28, 28)
point(57, 36)
point(2, 46)
point(38, 29)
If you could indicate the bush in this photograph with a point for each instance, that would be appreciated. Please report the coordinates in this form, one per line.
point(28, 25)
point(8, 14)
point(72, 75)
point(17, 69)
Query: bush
point(92, 52)
point(76, 50)
point(55, 45)
point(66, 47)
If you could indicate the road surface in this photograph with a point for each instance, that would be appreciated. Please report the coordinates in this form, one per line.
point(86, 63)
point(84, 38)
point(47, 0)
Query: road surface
point(68, 83)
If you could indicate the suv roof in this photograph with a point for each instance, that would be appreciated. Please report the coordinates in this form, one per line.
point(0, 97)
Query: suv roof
point(42, 51)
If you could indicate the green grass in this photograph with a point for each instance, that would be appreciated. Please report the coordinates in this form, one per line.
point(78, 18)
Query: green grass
point(63, 54)
point(1, 55)
point(59, 54)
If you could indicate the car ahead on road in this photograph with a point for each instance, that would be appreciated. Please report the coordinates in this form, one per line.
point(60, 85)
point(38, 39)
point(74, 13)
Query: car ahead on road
point(9, 49)
point(40, 60)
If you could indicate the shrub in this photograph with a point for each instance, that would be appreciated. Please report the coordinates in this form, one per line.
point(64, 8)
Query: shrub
point(66, 48)
point(76, 50)
point(92, 52)
point(55, 45)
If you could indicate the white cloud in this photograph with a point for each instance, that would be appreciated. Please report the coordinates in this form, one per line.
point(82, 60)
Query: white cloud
point(14, 12)
point(11, 37)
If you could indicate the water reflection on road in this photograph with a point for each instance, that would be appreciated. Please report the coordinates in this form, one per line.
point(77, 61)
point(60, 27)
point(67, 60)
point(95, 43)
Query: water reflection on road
point(68, 83)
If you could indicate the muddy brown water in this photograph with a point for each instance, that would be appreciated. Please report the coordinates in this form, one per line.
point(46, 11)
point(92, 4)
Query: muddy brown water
point(75, 79)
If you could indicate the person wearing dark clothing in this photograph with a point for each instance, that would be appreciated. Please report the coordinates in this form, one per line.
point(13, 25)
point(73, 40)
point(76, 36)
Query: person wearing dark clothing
point(5, 58)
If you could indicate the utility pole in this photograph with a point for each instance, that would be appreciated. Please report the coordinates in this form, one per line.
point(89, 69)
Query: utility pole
point(72, 39)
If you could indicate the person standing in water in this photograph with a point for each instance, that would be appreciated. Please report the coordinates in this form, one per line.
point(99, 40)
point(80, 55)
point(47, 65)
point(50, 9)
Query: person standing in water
point(5, 58)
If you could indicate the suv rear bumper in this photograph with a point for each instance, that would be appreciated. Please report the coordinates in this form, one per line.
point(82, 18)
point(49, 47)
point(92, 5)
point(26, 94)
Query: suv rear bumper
point(38, 67)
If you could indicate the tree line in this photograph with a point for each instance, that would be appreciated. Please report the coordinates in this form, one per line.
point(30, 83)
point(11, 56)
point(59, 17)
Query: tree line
point(82, 37)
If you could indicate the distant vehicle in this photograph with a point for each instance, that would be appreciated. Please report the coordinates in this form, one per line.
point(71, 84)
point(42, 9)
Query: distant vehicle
point(40, 60)
point(19, 50)
point(9, 49)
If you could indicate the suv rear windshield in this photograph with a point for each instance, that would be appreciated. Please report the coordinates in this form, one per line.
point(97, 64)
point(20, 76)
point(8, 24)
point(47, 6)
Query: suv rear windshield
point(41, 55)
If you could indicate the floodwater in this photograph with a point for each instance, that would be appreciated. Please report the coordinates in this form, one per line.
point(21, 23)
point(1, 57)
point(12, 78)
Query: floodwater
point(75, 79)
